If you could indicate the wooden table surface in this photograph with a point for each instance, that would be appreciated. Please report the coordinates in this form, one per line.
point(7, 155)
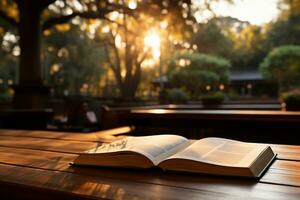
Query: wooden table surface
point(35, 165)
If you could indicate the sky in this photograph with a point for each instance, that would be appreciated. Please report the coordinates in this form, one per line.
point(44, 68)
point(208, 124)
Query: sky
point(255, 11)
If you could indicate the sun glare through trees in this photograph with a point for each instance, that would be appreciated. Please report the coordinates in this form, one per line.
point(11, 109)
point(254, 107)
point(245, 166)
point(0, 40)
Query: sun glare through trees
point(128, 49)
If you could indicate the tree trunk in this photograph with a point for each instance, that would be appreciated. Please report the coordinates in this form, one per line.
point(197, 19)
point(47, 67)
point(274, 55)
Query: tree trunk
point(129, 86)
point(30, 93)
point(127, 92)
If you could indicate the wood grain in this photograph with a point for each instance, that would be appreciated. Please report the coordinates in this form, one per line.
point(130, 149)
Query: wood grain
point(73, 145)
point(47, 144)
point(35, 167)
point(103, 136)
point(60, 162)
point(287, 152)
point(108, 188)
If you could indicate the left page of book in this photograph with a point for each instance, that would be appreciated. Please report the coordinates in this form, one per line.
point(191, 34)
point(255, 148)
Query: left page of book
point(155, 148)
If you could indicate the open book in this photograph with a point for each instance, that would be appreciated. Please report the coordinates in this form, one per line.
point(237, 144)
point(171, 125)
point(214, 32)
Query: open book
point(171, 152)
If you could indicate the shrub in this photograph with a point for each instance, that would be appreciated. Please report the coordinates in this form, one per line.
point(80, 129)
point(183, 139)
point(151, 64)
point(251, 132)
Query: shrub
point(198, 71)
point(293, 95)
point(177, 95)
point(291, 99)
point(282, 65)
point(213, 98)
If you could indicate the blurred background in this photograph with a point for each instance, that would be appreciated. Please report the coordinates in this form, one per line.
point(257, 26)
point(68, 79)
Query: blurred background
point(148, 52)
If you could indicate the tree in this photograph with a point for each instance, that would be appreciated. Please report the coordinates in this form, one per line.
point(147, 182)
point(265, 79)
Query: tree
point(31, 17)
point(282, 65)
point(7, 74)
point(76, 61)
point(210, 39)
point(289, 8)
point(249, 50)
point(197, 72)
point(124, 54)
point(27, 19)
point(236, 40)
point(9, 52)
point(124, 40)
point(285, 30)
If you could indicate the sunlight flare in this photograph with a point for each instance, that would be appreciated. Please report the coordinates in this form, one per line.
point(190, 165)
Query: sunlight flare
point(132, 5)
point(152, 41)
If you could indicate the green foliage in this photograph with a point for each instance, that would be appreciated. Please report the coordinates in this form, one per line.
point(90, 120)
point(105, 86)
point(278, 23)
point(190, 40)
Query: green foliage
point(8, 65)
point(213, 98)
point(236, 40)
point(291, 96)
point(211, 40)
point(200, 70)
point(284, 32)
point(286, 29)
point(177, 95)
point(80, 58)
point(291, 100)
point(289, 8)
point(282, 65)
point(249, 50)
point(8, 71)
point(5, 97)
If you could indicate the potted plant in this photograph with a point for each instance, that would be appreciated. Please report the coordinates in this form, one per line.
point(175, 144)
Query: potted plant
point(213, 98)
point(290, 100)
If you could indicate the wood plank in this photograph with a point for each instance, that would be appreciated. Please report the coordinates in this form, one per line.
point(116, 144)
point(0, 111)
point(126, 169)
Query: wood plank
point(47, 144)
point(100, 187)
point(288, 152)
point(104, 136)
point(292, 167)
point(87, 187)
point(281, 172)
point(36, 158)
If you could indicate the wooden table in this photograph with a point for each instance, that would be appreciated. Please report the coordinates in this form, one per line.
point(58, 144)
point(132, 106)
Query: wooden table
point(35, 165)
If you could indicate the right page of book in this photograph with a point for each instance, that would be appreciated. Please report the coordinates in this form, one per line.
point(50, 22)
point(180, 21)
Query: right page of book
point(220, 151)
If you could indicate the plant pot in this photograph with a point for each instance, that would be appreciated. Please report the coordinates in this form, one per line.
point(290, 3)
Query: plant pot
point(291, 105)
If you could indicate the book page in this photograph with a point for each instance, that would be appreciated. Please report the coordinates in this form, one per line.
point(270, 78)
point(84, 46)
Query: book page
point(153, 147)
point(220, 151)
